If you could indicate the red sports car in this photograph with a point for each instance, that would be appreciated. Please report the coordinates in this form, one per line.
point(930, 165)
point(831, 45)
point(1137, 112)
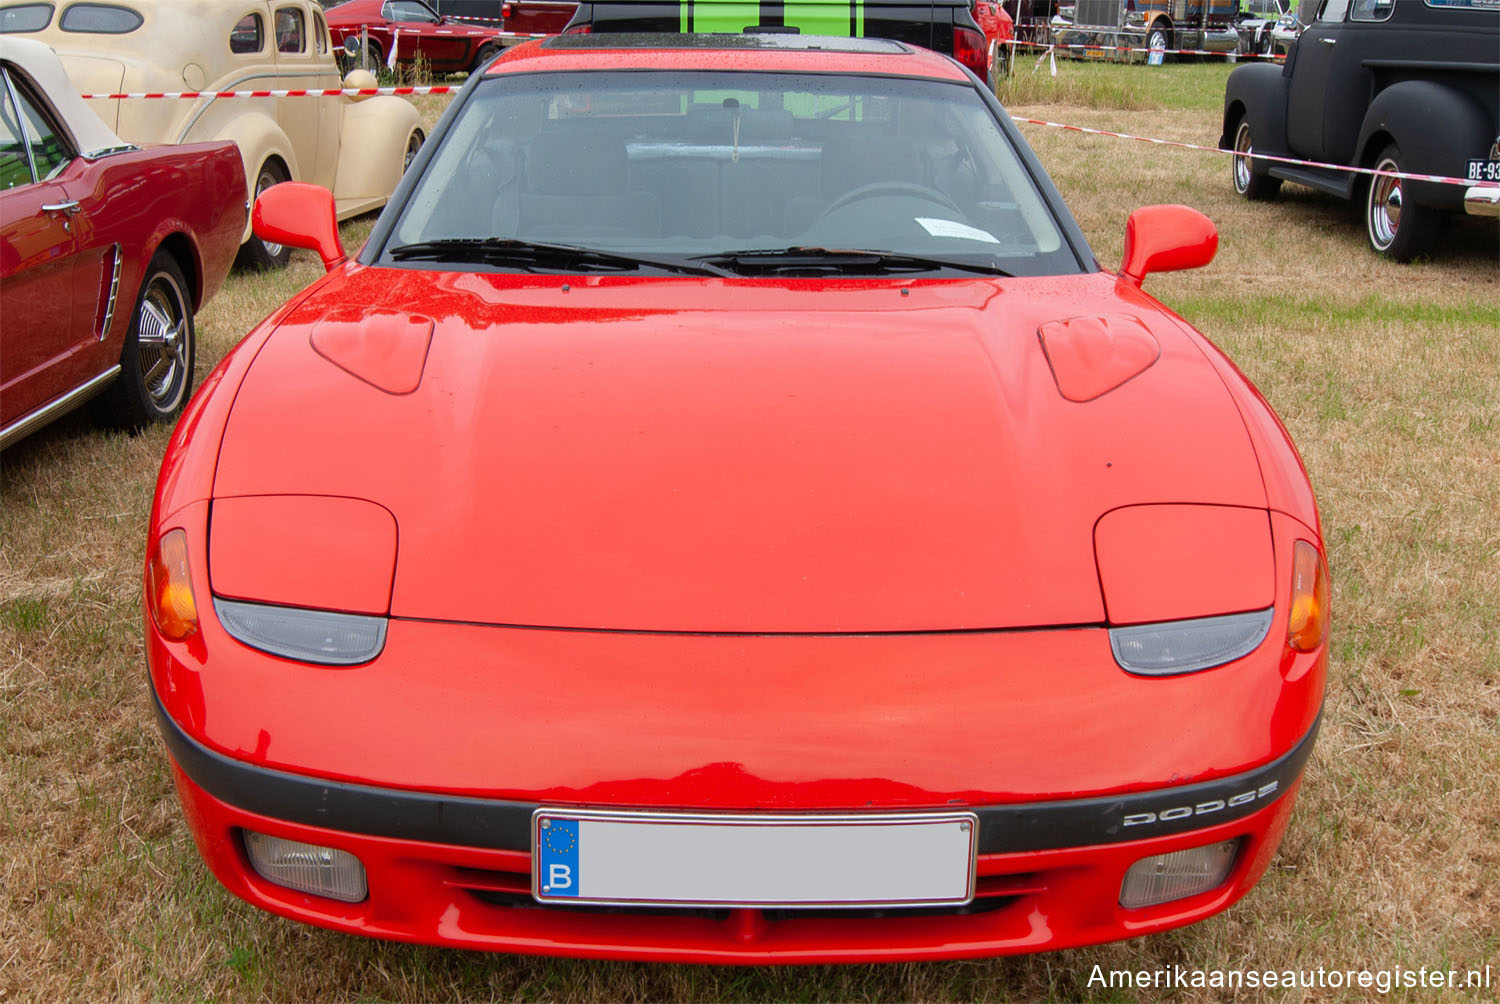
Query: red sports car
point(725, 513)
point(106, 250)
point(412, 28)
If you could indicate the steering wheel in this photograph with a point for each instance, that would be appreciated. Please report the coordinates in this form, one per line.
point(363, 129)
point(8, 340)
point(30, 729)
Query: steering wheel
point(876, 189)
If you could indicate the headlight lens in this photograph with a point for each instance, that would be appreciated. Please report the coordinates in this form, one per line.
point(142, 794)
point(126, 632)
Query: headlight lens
point(1189, 645)
point(317, 636)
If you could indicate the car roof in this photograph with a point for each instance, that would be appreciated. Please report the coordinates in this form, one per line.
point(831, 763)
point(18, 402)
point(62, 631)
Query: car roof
point(766, 53)
point(39, 62)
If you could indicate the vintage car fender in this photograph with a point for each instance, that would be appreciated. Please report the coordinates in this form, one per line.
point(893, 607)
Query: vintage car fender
point(259, 138)
point(1256, 92)
point(198, 236)
point(372, 149)
point(1436, 127)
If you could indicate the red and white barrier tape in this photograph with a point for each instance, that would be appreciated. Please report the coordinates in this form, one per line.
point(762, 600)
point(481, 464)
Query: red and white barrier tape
point(354, 29)
point(1411, 176)
point(328, 92)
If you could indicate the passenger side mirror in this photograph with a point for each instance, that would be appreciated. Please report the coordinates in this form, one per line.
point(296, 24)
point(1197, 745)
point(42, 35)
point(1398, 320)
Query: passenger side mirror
point(1166, 239)
point(303, 216)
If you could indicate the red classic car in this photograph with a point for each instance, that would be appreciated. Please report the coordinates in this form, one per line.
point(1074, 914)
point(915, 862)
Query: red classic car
point(726, 513)
point(411, 28)
point(538, 17)
point(999, 35)
point(106, 250)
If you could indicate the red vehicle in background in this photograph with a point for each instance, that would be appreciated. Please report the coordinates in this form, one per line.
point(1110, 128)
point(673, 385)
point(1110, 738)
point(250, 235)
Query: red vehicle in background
point(106, 250)
point(410, 28)
point(999, 34)
point(538, 17)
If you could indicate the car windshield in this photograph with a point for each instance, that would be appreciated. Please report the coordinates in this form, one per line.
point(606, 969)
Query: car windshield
point(735, 172)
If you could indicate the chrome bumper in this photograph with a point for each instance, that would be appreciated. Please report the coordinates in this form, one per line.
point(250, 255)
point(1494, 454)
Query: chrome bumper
point(1482, 200)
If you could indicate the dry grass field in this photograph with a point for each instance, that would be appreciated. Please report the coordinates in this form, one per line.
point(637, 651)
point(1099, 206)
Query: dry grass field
point(1388, 377)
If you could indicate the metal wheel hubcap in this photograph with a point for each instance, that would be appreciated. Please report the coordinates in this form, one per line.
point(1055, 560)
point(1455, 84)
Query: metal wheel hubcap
point(1385, 205)
point(1241, 159)
point(161, 343)
point(265, 181)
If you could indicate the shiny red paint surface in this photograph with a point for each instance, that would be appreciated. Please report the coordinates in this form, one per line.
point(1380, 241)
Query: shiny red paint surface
point(305, 551)
point(723, 544)
point(188, 199)
point(741, 722)
point(444, 44)
point(1154, 561)
point(872, 479)
point(301, 215)
point(1165, 239)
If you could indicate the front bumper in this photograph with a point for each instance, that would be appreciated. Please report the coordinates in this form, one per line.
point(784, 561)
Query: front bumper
point(427, 762)
point(456, 871)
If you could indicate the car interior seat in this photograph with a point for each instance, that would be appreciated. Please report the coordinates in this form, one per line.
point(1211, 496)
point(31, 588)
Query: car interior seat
point(853, 161)
point(576, 186)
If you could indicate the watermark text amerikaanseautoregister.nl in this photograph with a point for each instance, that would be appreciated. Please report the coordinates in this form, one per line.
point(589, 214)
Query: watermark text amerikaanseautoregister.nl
point(1380, 980)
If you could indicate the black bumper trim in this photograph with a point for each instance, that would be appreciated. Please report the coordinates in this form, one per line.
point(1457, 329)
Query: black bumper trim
point(1159, 812)
point(506, 825)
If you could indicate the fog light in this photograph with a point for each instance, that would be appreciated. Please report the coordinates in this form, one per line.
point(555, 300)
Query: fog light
point(1162, 878)
point(322, 871)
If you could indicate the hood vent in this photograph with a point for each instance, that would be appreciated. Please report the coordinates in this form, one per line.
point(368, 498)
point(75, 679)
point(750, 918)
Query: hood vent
point(384, 348)
point(1091, 356)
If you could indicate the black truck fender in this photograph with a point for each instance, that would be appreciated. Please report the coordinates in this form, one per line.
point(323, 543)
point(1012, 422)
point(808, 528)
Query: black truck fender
point(1259, 92)
point(1436, 127)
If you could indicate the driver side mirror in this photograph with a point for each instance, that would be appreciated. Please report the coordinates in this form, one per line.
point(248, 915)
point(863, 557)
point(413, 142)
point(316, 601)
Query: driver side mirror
point(1166, 239)
point(302, 216)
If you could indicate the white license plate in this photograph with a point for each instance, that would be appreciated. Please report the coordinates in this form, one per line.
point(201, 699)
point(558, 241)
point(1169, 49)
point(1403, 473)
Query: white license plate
point(667, 859)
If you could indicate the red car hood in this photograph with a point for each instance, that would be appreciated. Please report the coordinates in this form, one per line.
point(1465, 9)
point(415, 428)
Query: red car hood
point(734, 456)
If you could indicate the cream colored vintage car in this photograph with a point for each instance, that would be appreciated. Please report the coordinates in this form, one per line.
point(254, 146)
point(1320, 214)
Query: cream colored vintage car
point(357, 147)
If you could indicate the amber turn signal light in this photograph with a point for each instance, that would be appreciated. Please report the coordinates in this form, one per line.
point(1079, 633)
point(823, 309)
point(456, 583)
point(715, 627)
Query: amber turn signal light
point(170, 588)
point(1307, 627)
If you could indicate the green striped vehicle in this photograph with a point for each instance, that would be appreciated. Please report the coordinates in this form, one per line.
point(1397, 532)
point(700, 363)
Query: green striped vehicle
point(946, 26)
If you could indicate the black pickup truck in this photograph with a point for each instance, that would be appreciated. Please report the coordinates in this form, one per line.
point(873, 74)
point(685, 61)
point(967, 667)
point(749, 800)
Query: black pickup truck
point(1405, 86)
point(946, 26)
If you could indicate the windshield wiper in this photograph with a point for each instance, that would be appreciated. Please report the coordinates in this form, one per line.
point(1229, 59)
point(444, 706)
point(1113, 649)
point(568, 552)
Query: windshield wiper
point(766, 261)
point(532, 255)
